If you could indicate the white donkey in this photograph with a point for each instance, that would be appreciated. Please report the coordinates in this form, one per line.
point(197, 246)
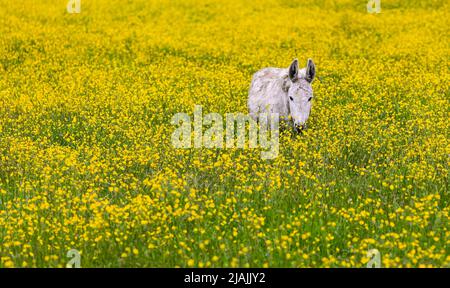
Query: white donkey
point(287, 92)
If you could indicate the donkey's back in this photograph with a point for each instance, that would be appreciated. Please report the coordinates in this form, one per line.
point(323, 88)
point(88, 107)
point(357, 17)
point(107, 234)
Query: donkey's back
point(267, 92)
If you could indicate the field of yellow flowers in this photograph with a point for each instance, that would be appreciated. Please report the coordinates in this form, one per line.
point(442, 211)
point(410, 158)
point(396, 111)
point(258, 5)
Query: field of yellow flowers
point(86, 160)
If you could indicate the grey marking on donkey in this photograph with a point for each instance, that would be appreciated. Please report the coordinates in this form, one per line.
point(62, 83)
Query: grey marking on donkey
point(287, 92)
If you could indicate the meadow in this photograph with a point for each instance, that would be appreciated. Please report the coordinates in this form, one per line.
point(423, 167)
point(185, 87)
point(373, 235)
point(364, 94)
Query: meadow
point(86, 160)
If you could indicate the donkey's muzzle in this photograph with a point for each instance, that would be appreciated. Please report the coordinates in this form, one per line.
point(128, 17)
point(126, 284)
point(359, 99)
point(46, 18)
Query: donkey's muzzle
point(300, 127)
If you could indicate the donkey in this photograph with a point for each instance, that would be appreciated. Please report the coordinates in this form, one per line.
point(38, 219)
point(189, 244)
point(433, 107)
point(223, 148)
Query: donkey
point(287, 92)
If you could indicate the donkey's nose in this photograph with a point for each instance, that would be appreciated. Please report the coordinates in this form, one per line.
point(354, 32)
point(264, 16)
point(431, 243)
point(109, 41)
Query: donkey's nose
point(300, 127)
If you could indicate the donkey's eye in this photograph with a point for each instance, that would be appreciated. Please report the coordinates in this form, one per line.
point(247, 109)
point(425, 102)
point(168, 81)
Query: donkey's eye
point(309, 99)
point(292, 99)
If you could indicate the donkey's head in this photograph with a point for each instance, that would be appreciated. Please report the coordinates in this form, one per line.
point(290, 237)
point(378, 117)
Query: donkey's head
point(300, 92)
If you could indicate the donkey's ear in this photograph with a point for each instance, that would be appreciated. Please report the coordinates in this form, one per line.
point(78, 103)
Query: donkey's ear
point(310, 71)
point(293, 71)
